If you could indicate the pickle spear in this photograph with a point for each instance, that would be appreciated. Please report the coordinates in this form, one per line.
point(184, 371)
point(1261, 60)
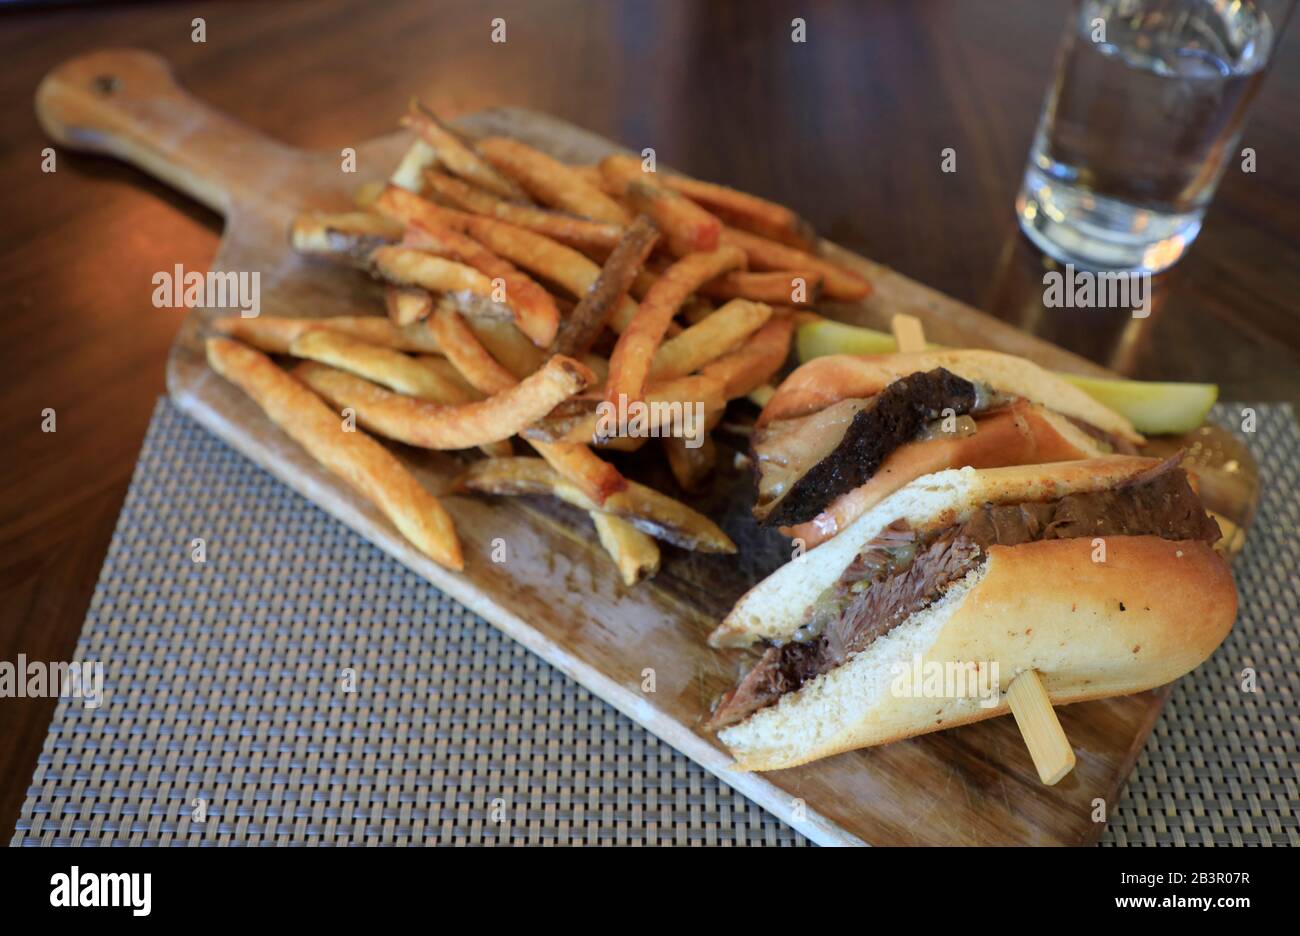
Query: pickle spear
point(1153, 408)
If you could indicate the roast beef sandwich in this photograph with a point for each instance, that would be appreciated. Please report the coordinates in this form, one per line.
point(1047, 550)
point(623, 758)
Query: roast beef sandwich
point(843, 432)
point(1099, 574)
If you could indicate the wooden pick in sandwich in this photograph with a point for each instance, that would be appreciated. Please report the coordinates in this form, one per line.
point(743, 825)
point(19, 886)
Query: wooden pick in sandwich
point(1039, 726)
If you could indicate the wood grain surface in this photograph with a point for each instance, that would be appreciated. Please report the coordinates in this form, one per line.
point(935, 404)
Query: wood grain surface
point(847, 128)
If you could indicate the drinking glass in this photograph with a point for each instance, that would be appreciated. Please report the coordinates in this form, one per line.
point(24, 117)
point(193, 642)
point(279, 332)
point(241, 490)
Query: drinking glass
point(1144, 115)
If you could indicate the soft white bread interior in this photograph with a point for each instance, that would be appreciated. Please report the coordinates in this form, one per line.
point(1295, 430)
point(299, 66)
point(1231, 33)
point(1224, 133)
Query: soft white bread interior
point(774, 608)
point(1152, 611)
point(826, 380)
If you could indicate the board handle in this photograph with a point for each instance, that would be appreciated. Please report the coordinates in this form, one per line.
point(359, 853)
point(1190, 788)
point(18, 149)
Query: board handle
point(126, 103)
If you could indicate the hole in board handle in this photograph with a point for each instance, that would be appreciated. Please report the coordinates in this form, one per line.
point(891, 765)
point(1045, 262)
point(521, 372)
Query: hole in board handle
point(106, 84)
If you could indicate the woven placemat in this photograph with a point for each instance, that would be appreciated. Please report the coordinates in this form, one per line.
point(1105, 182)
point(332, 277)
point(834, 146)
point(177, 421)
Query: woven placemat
point(224, 701)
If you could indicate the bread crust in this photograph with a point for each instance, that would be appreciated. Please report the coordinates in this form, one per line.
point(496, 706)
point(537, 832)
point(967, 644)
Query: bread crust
point(1153, 610)
point(826, 380)
point(1022, 434)
point(774, 608)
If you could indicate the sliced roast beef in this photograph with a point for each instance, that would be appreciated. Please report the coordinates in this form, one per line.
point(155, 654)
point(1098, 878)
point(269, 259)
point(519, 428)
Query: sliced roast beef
point(849, 443)
point(902, 572)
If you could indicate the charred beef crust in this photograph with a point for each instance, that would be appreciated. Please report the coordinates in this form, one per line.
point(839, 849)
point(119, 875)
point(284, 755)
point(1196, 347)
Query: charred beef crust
point(893, 417)
point(1159, 502)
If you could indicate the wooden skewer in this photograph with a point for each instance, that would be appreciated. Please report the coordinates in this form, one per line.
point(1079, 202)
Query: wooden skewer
point(1039, 726)
point(1048, 746)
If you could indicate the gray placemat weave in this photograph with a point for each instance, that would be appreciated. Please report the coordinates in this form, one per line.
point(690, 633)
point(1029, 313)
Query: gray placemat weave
point(223, 684)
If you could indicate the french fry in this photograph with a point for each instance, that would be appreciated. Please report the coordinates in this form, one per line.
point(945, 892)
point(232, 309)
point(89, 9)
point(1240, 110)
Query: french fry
point(634, 352)
point(686, 226)
point(752, 364)
point(429, 425)
point(359, 460)
point(384, 366)
point(635, 553)
point(364, 195)
point(426, 379)
point(508, 345)
point(348, 236)
point(274, 334)
point(690, 466)
point(649, 511)
point(713, 337)
point(580, 466)
point(696, 310)
point(465, 352)
point(536, 253)
point(448, 375)
point(409, 173)
point(576, 232)
point(533, 310)
point(764, 254)
point(778, 287)
point(551, 181)
point(411, 266)
point(748, 212)
point(407, 304)
point(594, 310)
point(667, 401)
point(459, 156)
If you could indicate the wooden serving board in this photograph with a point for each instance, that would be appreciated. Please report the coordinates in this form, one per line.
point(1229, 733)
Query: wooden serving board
point(557, 593)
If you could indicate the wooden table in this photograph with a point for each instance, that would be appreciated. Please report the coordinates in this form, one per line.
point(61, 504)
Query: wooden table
point(848, 127)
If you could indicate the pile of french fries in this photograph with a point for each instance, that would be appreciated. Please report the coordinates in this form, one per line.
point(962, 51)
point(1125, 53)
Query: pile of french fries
point(520, 292)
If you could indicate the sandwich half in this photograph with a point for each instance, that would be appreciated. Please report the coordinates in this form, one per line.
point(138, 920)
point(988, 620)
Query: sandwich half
point(1099, 574)
point(843, 432)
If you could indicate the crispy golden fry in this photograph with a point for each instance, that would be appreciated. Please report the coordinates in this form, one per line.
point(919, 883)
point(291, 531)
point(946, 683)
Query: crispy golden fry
point(533, 310)
point(592, 175)
point(635, 553)
point(551, 181)
point(686, 226)
point(752, 364)
point(599, 366)
point(580, 466)
point(778, 287)
point(458, 155)
point(409, 173)
point(407, 305)
point(649, 511)
point(696, 310)
point(711, 338)
point(764, 254)
point(667, 405)
point(465, 352)
point(585, 323)
point(641, 285)
point(349, 236)
point(508, 345)
point(392, 369)
point(747, 212)
point(429, 425)
point(412, 266)
point(274, 334)
point(576, 232)
point(363, 463)
point(634, 352)
point(536, 253)
point(365, 194)
point(690, 466)
point(449, 376)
